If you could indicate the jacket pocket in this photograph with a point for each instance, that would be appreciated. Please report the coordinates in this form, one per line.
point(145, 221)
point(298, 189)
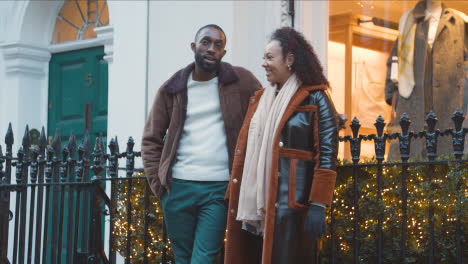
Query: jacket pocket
point(306, 108)
point(292, 187)
point(295, 156)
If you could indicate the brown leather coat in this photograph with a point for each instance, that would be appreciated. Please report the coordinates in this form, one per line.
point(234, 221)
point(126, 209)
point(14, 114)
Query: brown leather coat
point(303, 170)
point(166, 119)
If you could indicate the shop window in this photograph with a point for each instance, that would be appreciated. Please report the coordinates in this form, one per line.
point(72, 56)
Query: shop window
point(361, 37)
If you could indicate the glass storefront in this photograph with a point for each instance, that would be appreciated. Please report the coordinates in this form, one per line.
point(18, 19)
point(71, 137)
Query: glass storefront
point(427, 73)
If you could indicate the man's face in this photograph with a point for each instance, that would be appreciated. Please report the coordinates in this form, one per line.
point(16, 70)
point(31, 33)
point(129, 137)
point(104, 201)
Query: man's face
point(209, 49)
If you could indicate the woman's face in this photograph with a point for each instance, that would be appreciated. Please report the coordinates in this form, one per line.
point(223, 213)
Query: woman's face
point(275, 65)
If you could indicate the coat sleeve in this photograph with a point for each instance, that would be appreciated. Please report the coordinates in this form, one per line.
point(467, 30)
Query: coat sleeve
point(153, 140)
point(390, 87)
point(324, 179)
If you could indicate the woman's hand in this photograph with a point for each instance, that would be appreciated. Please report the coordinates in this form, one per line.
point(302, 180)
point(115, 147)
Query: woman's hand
point(315, 222)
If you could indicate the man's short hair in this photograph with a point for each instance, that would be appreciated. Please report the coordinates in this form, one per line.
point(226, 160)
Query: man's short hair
point(211, 26)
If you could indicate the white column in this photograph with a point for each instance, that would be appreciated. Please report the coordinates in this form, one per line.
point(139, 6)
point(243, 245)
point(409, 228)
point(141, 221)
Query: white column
point(26, 28)
point(312, 20)
point(106, 36)
point(24, 95)
point(254, 21)
point(125, 50)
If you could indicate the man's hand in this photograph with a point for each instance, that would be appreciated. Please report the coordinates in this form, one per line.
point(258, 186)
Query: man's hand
point(315, 222)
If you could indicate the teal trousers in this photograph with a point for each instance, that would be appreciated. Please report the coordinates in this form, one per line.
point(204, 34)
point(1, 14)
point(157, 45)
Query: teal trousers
point(195, 214)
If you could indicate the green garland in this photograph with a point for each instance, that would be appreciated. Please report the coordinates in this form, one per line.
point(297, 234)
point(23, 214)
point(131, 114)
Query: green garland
point(449, 205)
point(155, 224)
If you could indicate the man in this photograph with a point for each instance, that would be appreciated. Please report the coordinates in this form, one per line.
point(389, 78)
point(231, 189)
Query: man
point(188, 146)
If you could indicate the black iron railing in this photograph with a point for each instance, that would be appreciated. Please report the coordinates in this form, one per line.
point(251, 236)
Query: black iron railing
point(61, 191)
point(64, 196)
point(430, 135)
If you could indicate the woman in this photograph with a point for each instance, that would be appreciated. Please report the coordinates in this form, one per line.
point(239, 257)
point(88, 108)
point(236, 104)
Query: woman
point(283, 172)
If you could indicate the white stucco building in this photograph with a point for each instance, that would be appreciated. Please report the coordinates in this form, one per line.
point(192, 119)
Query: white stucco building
point(97, 64)
point(52, 63)
point(145, 42)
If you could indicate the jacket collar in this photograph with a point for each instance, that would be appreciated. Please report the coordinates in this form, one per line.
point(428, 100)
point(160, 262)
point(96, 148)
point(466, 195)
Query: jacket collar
point(304, 88)
point(178, 82)
point(314, 87)
point(419, 10)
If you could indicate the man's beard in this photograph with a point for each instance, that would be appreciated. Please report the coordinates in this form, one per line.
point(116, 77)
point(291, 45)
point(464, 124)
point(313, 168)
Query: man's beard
point(206, 67)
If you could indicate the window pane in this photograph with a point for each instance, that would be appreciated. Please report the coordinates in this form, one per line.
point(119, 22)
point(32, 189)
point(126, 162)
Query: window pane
point(428, 70)
point(77, 19)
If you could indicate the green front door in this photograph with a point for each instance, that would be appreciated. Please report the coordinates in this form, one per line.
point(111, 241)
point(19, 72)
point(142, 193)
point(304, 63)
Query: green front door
point(77, 102)
point(78, 94)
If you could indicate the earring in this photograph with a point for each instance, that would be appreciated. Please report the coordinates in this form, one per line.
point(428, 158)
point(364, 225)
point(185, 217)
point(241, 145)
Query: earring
point(289, 68)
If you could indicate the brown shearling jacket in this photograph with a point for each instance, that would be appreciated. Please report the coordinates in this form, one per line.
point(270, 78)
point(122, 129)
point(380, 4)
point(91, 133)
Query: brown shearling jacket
point(166, 119)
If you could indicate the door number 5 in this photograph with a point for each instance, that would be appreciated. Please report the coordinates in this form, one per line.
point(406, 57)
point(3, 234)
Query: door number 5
point(89, 79)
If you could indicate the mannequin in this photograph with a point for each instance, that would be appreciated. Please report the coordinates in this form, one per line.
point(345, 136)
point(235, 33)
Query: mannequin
point(431, 54)
point(433, 5)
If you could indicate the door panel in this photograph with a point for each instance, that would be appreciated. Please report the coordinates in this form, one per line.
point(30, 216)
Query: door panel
point(77, 78)
point(69, 110)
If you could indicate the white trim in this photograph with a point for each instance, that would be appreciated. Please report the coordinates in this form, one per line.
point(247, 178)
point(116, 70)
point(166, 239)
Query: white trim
point(313, 22)
point(105, 37)
point(76, 45)
point(106, 34)
point(284, 16)
point(25, 58)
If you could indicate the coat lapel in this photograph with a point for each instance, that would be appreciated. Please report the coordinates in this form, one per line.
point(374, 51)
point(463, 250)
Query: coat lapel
point(447, 18)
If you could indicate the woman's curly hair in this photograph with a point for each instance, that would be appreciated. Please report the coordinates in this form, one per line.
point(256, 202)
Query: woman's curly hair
point(306, 64)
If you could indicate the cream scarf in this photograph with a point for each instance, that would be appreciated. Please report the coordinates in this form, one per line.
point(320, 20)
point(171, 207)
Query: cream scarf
point(407, 32)
point(258, 158)
point(406, 36)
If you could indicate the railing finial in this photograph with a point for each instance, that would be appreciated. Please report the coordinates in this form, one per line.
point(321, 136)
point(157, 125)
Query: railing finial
point(57, 143)
point(72, 144)
point(26, 140)
point(431, 135)
point(98, 154)
point(379, 141)
point(405, 138)
point(355, 141)
point(405, 123)
point(379, 125)
point(9, 139)
point(431, 121)
point(114, 146)
point(458, 136)
point(42, 142)
point(355, 127)
point(458, 119)
point(130, 145)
